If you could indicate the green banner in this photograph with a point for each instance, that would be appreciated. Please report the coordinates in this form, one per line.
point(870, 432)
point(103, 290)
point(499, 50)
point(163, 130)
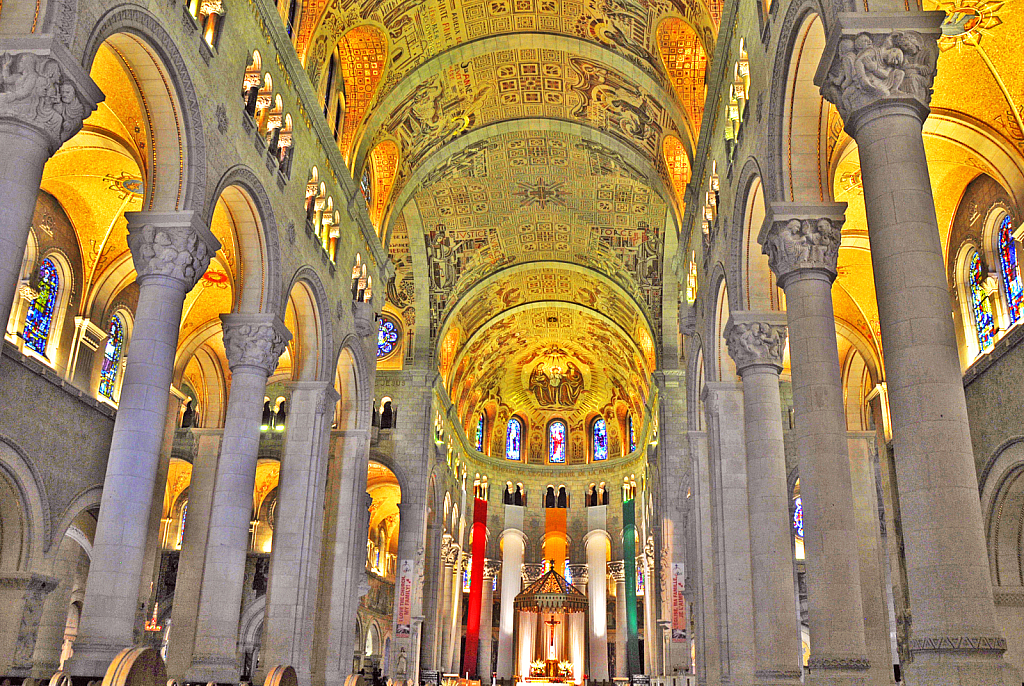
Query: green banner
point(629, 560)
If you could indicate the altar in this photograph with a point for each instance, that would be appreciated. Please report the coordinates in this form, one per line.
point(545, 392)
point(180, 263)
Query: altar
point(552, 631)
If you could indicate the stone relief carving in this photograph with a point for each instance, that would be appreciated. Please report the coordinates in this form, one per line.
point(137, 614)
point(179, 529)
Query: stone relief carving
point(254, 345)
point(803, 243)
point(756, 343)
point(34, 90)
point(177, 251)
point(872, 67)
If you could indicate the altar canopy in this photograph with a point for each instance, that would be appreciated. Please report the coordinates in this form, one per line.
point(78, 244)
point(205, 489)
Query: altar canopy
point(551, 593)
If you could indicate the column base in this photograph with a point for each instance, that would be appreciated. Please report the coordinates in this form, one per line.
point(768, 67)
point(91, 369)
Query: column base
point(777, 677)
point(934, 668)
point(838, 671)
point(215, 668)
point(91, 660)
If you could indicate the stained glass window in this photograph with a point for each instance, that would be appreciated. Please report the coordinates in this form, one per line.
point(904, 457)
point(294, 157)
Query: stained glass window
point(984, 324)
point(111, 357)
point(600, 438)
point(556, 442)
point(798, 516)
point(480, 433)
point(388, 334)
point(1011, 273)
point(514, 440)
point(40, 313)
point(641, 581)
point(181, 523)
point(568, 572)
point(631, 431)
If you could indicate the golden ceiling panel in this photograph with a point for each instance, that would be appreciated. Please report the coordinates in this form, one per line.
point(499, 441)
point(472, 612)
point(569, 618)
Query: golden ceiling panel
point(401, 290)
point(507, 85)
point(421, 29)
point(544, 196)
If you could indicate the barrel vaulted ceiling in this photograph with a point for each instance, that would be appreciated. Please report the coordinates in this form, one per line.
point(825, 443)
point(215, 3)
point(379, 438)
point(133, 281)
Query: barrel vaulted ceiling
point(527, 160)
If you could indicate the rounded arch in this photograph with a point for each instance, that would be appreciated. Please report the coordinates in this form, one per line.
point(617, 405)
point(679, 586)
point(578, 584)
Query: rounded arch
point(720, 365)
point(756, 288)
point(1002, 500)
point(256, 237)
point(176, 164)
point(313, 341)
point(24, 510)
point(696, 378)
point(800, 168)
point(351, 380)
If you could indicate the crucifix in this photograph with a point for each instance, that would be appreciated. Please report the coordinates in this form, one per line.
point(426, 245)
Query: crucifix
point(551, 645)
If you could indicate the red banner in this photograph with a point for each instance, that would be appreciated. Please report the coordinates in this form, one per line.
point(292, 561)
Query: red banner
point(678, 603)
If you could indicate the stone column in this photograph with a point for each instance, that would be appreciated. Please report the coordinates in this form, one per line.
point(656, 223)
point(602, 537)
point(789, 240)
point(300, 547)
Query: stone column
point(487, 620)
point(48, 96)
point(295, 557)
point(170, 252)
point(802, 244)
point(618, 571)
point(513, 546)
point(730, 529)
point(455, 647)
point(343, 570)
point(708, 626)
point(954, 635)
point(54, 616)
point(597, 543)
point(756, 342)
point(451, 560)
point(253, 344)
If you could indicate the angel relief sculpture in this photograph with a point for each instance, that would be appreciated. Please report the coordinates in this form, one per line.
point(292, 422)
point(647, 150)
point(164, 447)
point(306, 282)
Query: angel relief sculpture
point(557, 387)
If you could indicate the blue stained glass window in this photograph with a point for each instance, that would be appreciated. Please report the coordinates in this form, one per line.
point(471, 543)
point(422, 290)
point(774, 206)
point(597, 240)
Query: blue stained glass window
point(181, 523)
point(556, 442)
point(480, 433)
point(798, 516)
point(1011, 273)
point(600, 438)
point(984, 323)
point(631, 431)
point(40, 313)
point(568, 572)
point(388, 334)
point(111, 357)
point(514, 440)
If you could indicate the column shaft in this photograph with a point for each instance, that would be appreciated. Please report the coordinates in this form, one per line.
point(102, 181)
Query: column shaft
point(597, 543)
point(756, 343)
point(513, 548)
point(215, 656)
point(486, 630)
point(447, 595)
point(295, 557)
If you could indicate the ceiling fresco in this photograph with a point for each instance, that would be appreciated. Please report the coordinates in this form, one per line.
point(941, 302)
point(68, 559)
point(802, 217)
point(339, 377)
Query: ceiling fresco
point(419, 30)
point(568, 203)
point(506, 85)
point(544, 362)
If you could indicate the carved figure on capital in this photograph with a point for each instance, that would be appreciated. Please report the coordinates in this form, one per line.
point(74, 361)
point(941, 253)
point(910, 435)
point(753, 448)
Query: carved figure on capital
point(869, 67)
point(170, 250)
point(753, 343)
point(34, 90)
point(254, 344)
point(803, 243)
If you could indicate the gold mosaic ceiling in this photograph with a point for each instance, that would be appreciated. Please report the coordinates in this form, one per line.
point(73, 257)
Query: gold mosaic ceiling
point(542, 155)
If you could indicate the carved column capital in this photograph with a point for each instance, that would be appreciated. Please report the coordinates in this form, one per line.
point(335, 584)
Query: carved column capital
point(617, 568)
point(802, 238)
point(491, 568)
point(880, 59)
point(254, 340)
point(756, 339)
point(174, 244)
point(42, 86)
